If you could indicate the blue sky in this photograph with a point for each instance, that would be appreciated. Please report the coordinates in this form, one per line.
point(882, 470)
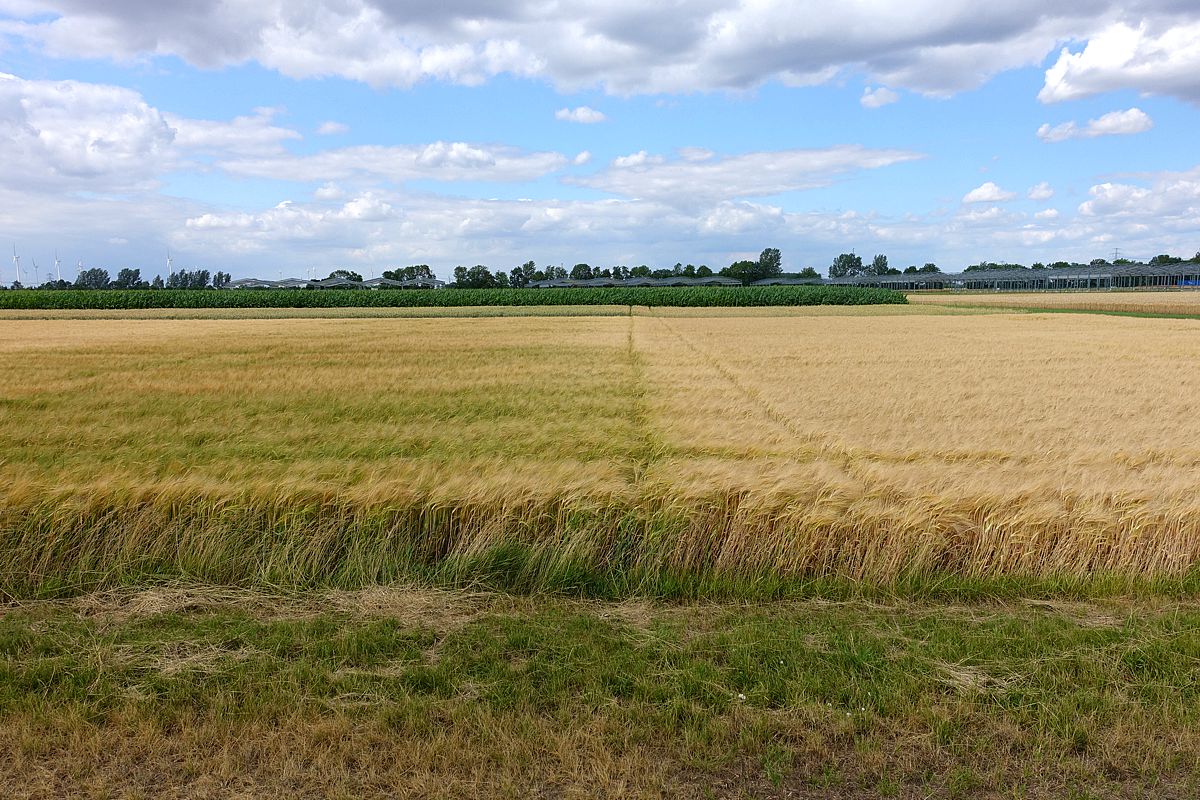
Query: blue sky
point(281, 137)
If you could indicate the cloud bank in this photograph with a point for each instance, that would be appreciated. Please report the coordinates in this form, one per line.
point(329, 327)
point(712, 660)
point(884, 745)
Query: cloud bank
point(635, 47)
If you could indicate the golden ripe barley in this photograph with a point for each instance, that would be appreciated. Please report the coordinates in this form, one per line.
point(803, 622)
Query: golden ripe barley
point(349, 451)
point(1185, 302)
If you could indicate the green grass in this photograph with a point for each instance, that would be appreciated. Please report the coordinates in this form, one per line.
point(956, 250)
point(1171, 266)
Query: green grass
point(699, 296)
point(445, 694)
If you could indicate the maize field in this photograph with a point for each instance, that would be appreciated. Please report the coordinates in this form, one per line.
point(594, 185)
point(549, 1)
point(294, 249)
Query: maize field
point(693, 296)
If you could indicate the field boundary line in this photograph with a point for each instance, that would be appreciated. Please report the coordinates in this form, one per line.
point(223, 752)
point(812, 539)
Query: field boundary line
point(649, 449)
point(758, 400)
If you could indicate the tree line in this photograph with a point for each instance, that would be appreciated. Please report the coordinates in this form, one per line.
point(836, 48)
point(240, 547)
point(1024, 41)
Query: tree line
point(131, 278)
point(849, 265)
point(1163, 259)
point(768, 265)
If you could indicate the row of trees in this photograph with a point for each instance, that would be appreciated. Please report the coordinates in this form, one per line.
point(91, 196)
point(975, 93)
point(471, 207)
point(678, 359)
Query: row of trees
point(768, 265)
point(480, 277)
point(1162, 259)
point(130, 278)
point(848, 265)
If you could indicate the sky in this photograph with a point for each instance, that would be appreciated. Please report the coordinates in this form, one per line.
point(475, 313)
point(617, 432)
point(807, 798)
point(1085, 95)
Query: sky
point(293, 137)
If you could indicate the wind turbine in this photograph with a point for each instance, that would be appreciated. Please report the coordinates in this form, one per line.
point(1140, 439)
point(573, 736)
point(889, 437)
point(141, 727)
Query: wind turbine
point(57, 270)
point(78, 268)
point(37, 276)
point(16, 264)
point(169, 262)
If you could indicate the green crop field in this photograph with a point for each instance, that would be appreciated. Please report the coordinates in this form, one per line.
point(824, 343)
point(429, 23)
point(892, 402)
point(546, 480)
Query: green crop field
point(698, 296)
point(631, 552)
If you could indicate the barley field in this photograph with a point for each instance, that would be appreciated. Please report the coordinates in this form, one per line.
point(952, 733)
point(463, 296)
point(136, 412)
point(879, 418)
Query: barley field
point(604, 453)
point(1179, 303)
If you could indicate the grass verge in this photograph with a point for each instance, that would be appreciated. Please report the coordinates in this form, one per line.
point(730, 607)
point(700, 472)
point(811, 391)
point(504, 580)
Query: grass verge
point(192, 691)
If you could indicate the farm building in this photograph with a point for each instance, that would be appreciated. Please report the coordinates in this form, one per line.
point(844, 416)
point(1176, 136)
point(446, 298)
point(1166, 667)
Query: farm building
point(1104, 276)
point(336, 283)
point(679, 280)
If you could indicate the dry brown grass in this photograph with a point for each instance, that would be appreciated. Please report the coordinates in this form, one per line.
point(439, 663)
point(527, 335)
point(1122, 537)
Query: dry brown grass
point(1137, 302)
point(852, 444)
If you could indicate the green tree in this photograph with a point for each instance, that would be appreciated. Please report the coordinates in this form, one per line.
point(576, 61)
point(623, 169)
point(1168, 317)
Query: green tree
point(703, 271)
point(879, 265)
point(770, 263)
point(744, 271)
point(846, 265)
point(127, 278)
point(221, 279)
point(581, 272)
point(930, 267)
point(157, 283)
point(94, 278)
point(477, 277)
point(808, 273)
point(1164, 260)
point(188, 279)
point(521, 276)
point(347, 274)
point(641, 271)
point(416, 272)
point(984, 266)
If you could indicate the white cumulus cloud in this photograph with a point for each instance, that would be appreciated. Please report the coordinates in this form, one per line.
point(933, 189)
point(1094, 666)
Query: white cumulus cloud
point(1155, 56)
point(1114, 123)
point(988, 193)
point(582, 114)
point(1040, 191)
point(69, 134)
point(332, 128)
point(876, 98)
point(638, 159)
